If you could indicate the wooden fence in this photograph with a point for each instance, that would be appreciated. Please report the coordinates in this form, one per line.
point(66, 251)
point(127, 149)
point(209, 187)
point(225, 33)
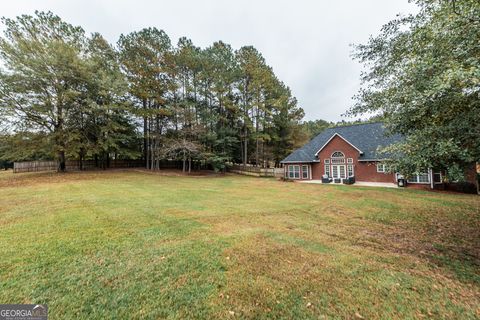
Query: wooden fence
point(72, 165)
point(256, 171)
point(33, 166)
point(75, 165)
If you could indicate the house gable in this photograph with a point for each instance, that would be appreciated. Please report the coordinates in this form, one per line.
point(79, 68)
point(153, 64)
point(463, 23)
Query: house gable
point(335, 135)
point(337, 143)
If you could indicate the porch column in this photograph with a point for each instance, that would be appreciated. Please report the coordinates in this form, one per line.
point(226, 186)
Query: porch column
point(430, 174)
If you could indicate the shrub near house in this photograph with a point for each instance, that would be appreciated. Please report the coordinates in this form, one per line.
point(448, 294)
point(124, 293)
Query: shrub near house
point(345, 152)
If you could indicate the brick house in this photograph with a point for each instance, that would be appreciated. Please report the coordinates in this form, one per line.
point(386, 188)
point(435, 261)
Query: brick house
point(345, 152)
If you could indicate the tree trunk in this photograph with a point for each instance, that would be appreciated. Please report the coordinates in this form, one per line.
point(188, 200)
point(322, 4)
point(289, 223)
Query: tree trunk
point(477, 176)
point(80, 165)
point(184, 162)
point(59, 138)
point(256, 135)
point(61, 161)
point(149, 145)
point(145, 136)
point(245, 149)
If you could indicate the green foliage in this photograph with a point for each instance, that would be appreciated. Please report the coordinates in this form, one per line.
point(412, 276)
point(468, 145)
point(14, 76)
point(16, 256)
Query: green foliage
point(89, 98)
point(424, 79)
point(25, 146)
point(61, 89)
point(313, 127)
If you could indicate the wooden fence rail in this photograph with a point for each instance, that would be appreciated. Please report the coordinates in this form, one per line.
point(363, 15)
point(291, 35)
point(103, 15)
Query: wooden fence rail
point(256, 171)
point(33, 166)
point(72, 165)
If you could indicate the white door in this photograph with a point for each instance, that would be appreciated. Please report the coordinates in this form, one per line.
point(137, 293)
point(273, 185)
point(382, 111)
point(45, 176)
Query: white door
point(338, 172)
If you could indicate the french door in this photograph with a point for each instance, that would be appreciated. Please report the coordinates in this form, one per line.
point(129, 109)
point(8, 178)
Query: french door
point(338, 172)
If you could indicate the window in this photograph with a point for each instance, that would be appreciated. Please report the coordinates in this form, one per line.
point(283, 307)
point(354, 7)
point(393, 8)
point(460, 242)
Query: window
point(293, 172)
point(423, 178)
point(326, 161)
point(437, 177)
point(296, 170)
point(419, 178)
point(304, 172)
point(335, 171)
point(338, 161)
point(382, 168)
point(350, 170)
point(349, 160)
point(338, 158)
point(327, 170)
point(289, 173)
point(342, 172)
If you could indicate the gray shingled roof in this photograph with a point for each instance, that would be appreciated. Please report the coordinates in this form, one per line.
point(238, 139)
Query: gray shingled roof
point(366, 137)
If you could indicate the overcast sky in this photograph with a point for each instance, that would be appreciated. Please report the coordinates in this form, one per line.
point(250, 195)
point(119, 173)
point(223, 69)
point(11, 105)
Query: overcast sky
point(306, 42)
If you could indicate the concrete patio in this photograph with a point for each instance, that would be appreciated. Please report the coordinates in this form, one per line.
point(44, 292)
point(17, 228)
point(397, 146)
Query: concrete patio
point(357, 183)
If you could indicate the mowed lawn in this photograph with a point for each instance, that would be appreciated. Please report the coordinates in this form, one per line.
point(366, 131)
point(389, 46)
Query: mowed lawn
point(132, 244)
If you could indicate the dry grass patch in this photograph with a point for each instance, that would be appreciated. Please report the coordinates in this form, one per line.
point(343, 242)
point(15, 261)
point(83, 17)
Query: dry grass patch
point(131, 244)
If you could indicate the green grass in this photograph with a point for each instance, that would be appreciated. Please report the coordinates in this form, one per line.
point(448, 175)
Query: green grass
point(131, 244)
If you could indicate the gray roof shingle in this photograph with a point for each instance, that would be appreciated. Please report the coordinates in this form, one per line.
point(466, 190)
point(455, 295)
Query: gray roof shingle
point(367, 137)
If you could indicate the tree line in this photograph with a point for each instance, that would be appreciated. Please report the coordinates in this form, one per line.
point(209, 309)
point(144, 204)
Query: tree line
point(69, 95)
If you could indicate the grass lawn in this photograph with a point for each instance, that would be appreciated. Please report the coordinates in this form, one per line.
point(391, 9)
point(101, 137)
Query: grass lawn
point(131, 244)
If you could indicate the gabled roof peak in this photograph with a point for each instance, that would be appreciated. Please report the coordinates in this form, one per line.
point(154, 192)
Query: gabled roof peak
point(365, 137)
point(336, 134)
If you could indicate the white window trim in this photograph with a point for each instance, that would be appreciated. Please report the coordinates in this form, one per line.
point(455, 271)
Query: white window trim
point(383, 166)
point(291, 170)
point(353, 170)
point(350, 160)
point(326, 161)
point(338, 161)
point(327, 172)
point(417, 178)
point(308, 171)
point(341, 157)
point(441, 177)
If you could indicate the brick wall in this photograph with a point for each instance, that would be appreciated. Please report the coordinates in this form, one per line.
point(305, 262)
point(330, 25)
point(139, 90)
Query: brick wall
point(363, 171)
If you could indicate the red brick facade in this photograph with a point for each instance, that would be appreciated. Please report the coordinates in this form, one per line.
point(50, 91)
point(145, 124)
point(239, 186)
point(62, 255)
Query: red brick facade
point(362, 171)
point(343, 159)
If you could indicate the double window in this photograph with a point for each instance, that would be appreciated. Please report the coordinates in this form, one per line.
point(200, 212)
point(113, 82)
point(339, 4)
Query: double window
point(420, 178)
point(424, 178)
point(293, 171)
